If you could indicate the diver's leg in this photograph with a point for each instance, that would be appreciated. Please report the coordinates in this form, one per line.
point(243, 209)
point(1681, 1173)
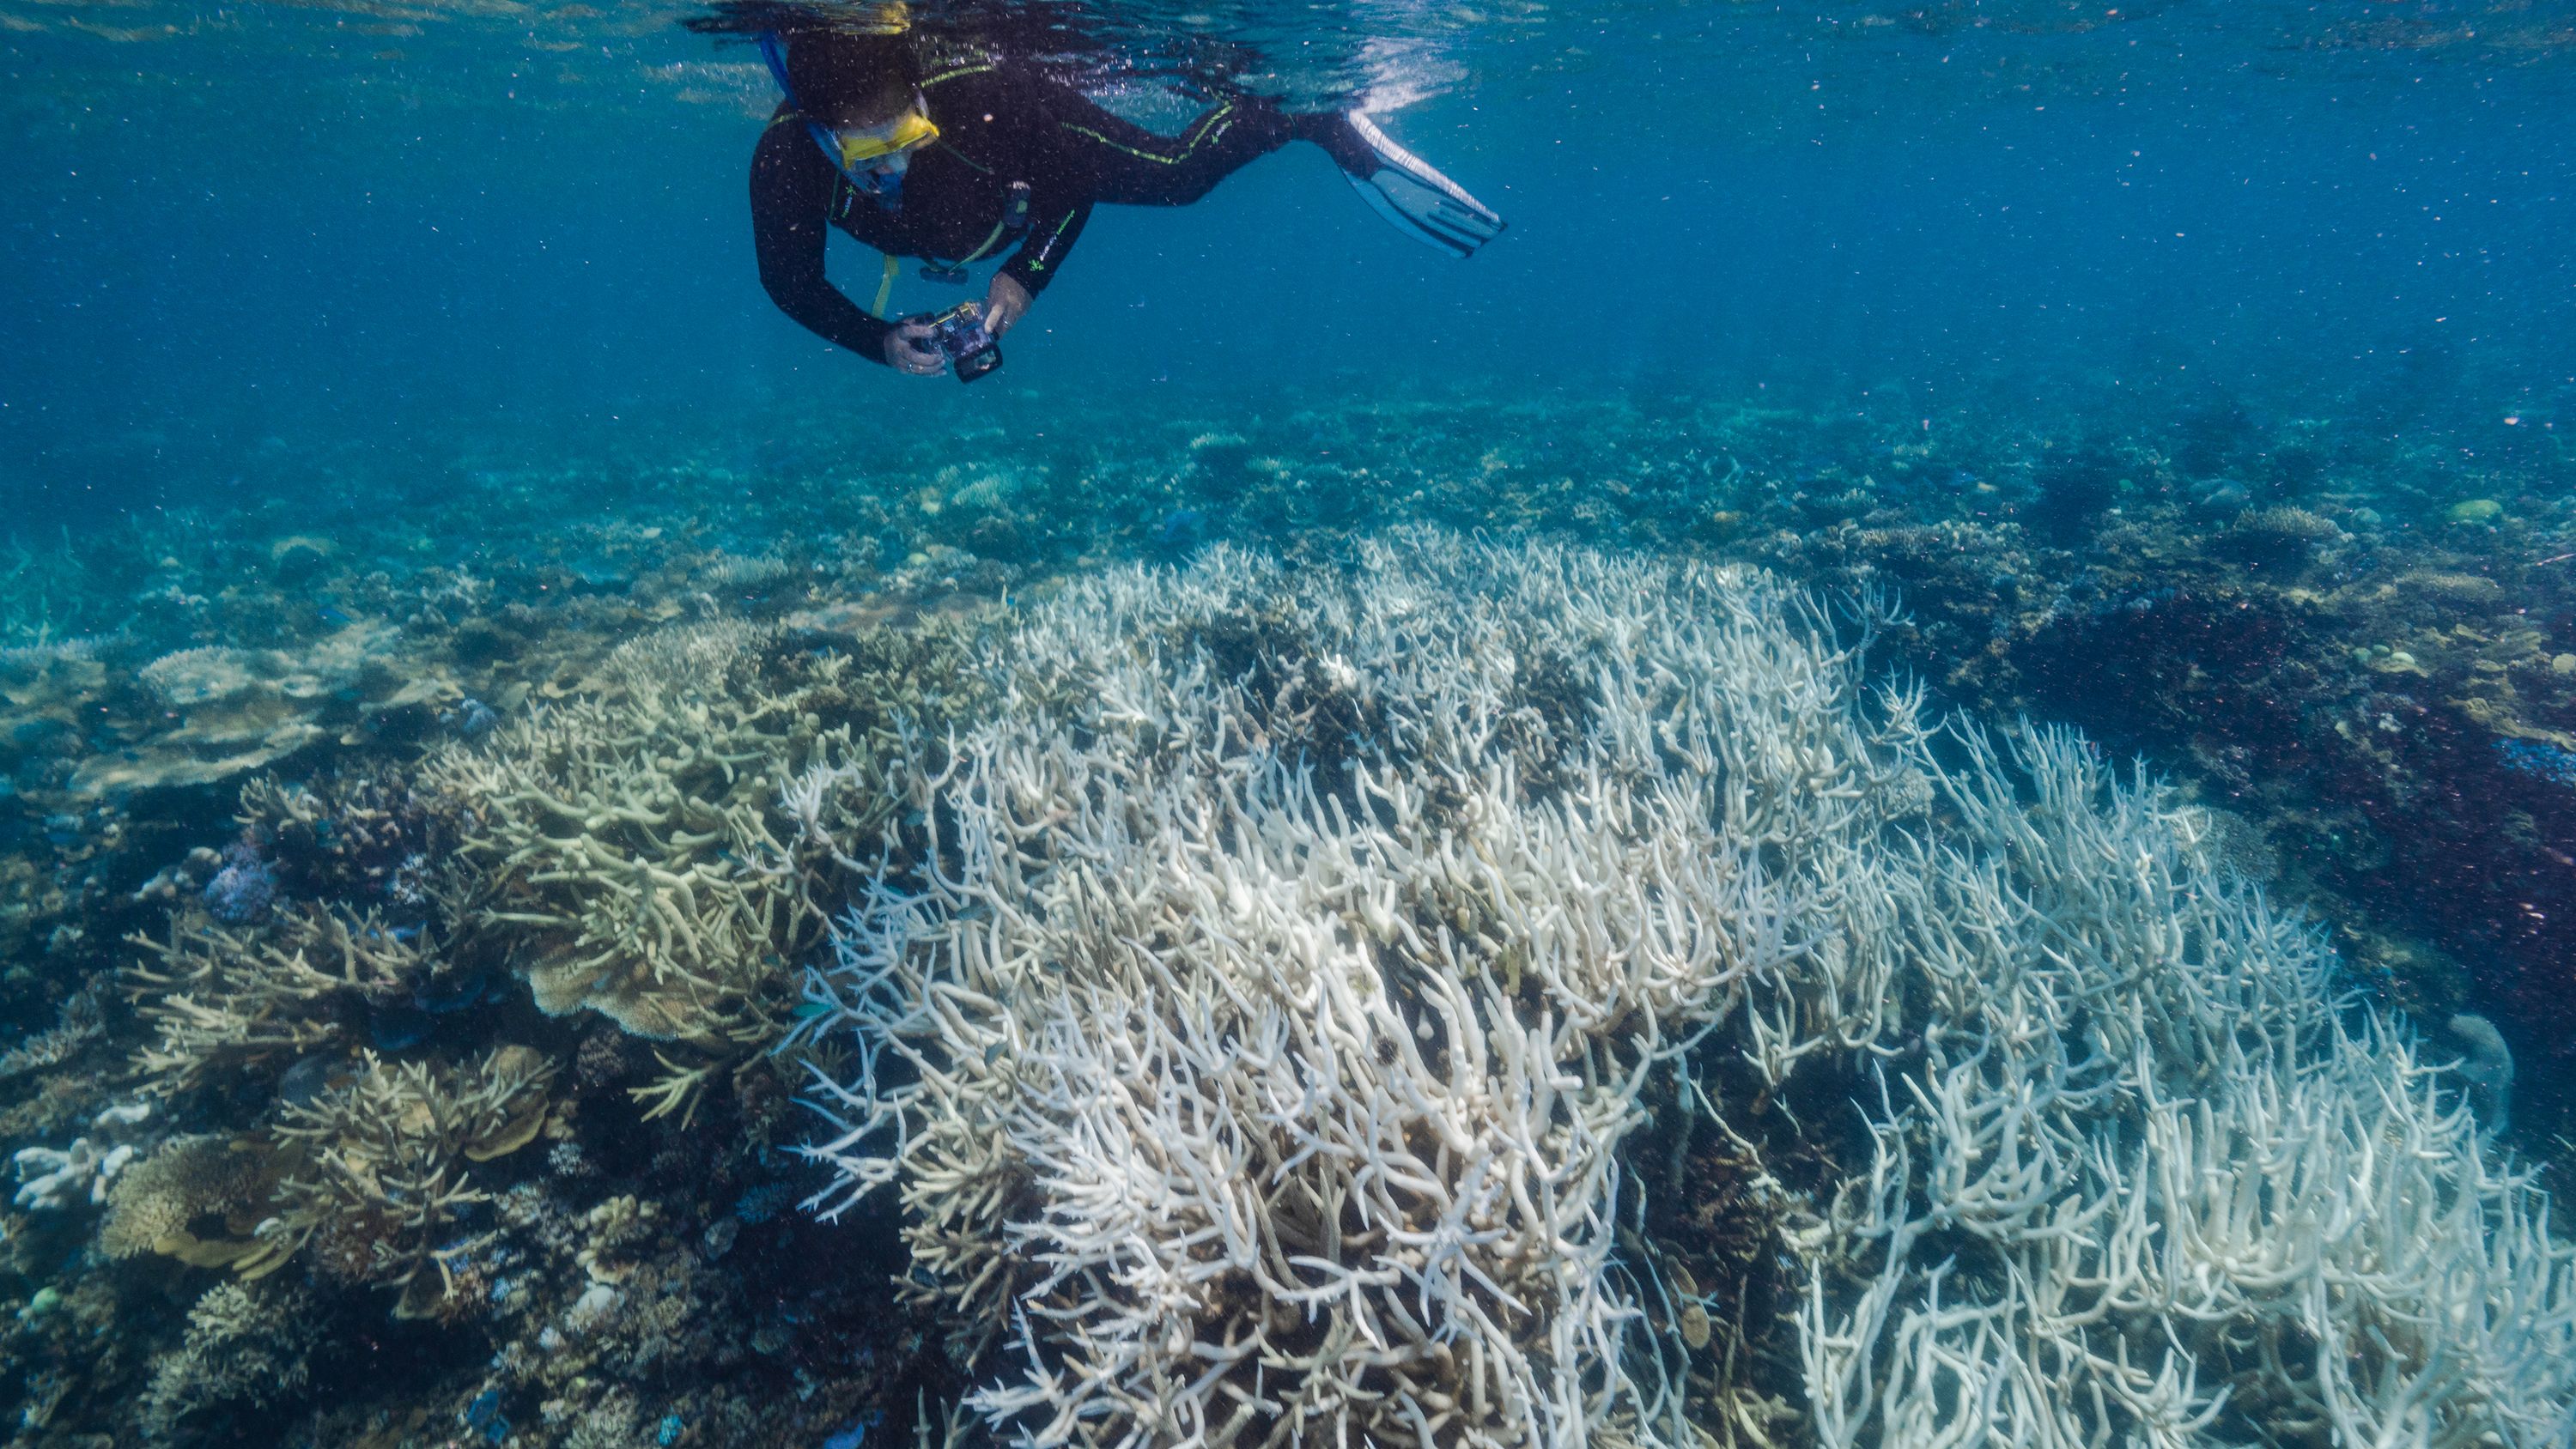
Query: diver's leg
point(1131, 166)
point(1341, 140)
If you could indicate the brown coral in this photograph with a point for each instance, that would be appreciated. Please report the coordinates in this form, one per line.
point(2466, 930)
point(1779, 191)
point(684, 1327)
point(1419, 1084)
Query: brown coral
point(246, 1345)
point(360, 834)
point(625, 844)
point(383, 1176)
point(198, 1199)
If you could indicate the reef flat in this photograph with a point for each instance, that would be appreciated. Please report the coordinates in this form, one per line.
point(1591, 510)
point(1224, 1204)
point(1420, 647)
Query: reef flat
point(1533, 973)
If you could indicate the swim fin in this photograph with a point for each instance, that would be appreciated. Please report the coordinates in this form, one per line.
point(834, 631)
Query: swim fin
point(1417, 200)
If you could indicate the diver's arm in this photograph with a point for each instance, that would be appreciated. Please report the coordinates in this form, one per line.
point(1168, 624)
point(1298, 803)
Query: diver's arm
point(1053, 228)
point(791, 188)
point(1003, 119)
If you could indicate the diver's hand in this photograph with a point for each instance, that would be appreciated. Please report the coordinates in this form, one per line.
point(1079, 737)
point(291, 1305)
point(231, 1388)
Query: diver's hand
point(1005, 303)
point(908, 349)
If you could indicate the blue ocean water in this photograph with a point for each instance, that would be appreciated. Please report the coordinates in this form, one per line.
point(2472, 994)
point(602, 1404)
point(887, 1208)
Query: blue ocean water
point(243, 222)
point(462, 649)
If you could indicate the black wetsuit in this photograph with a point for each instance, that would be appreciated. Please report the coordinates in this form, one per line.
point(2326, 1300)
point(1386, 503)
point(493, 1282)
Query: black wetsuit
point(998, 124)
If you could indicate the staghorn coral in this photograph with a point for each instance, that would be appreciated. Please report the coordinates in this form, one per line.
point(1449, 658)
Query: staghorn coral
point(370, 1174)
point(625, 845)
point(355, 834)
point(637, 848)
point(1228, 1105)
point(1241, 1094)
point(744, 573)
point(2151, 1176)
point(380, 1180)
point(221, 999)
point(80, 1021)
point(2284, 537)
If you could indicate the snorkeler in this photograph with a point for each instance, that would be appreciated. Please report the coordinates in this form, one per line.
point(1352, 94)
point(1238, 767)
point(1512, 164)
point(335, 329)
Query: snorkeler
point(964, 160)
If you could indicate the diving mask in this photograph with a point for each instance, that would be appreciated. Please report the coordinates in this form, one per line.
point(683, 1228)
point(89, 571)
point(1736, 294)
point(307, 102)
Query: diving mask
point(857, 146)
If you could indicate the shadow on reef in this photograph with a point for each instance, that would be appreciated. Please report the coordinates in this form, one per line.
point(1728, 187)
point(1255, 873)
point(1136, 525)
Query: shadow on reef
point(2378, 795)
point(2380, 677)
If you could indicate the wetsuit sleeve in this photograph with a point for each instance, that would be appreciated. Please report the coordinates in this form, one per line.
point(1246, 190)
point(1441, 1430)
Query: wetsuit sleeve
point(1054, 224)
point(1061, 188)
point(791, 190)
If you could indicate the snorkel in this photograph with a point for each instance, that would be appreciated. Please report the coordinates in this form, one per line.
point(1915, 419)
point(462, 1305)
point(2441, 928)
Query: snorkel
point(889, 145)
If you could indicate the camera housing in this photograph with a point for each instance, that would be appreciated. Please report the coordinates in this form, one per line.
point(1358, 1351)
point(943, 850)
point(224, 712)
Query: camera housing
point(959, 335)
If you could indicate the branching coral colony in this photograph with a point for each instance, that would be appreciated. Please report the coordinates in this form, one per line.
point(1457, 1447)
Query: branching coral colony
point(1253, 1040)
point(631, 848)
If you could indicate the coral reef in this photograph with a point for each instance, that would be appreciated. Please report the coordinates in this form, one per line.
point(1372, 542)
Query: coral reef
point(640, 849)
point(248, 1345)
point(379, 1184)
point(240, 709)
point(1241, 1116)
point(629, 842)
point(223, 999)
point(80, 1021)
point(2151, 1174)
point(1254, 1043)
point(172, 1201)
point(2353, 646)
point(51, 1179)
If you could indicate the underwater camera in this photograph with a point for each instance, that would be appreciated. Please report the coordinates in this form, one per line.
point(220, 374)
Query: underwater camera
point(959, 335)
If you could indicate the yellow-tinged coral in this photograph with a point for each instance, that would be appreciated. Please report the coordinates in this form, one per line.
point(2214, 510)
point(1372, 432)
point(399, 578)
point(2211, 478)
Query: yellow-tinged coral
point(371, 1174)
point(197, 1199)
point(222, 997)
point(658, 848)
point(382, 1174)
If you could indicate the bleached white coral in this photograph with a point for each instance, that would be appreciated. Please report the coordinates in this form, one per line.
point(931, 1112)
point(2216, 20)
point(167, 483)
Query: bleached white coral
point(2151, 1179)
point(53, 1179)
point(1254, 1020)
point(1258, 1046)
